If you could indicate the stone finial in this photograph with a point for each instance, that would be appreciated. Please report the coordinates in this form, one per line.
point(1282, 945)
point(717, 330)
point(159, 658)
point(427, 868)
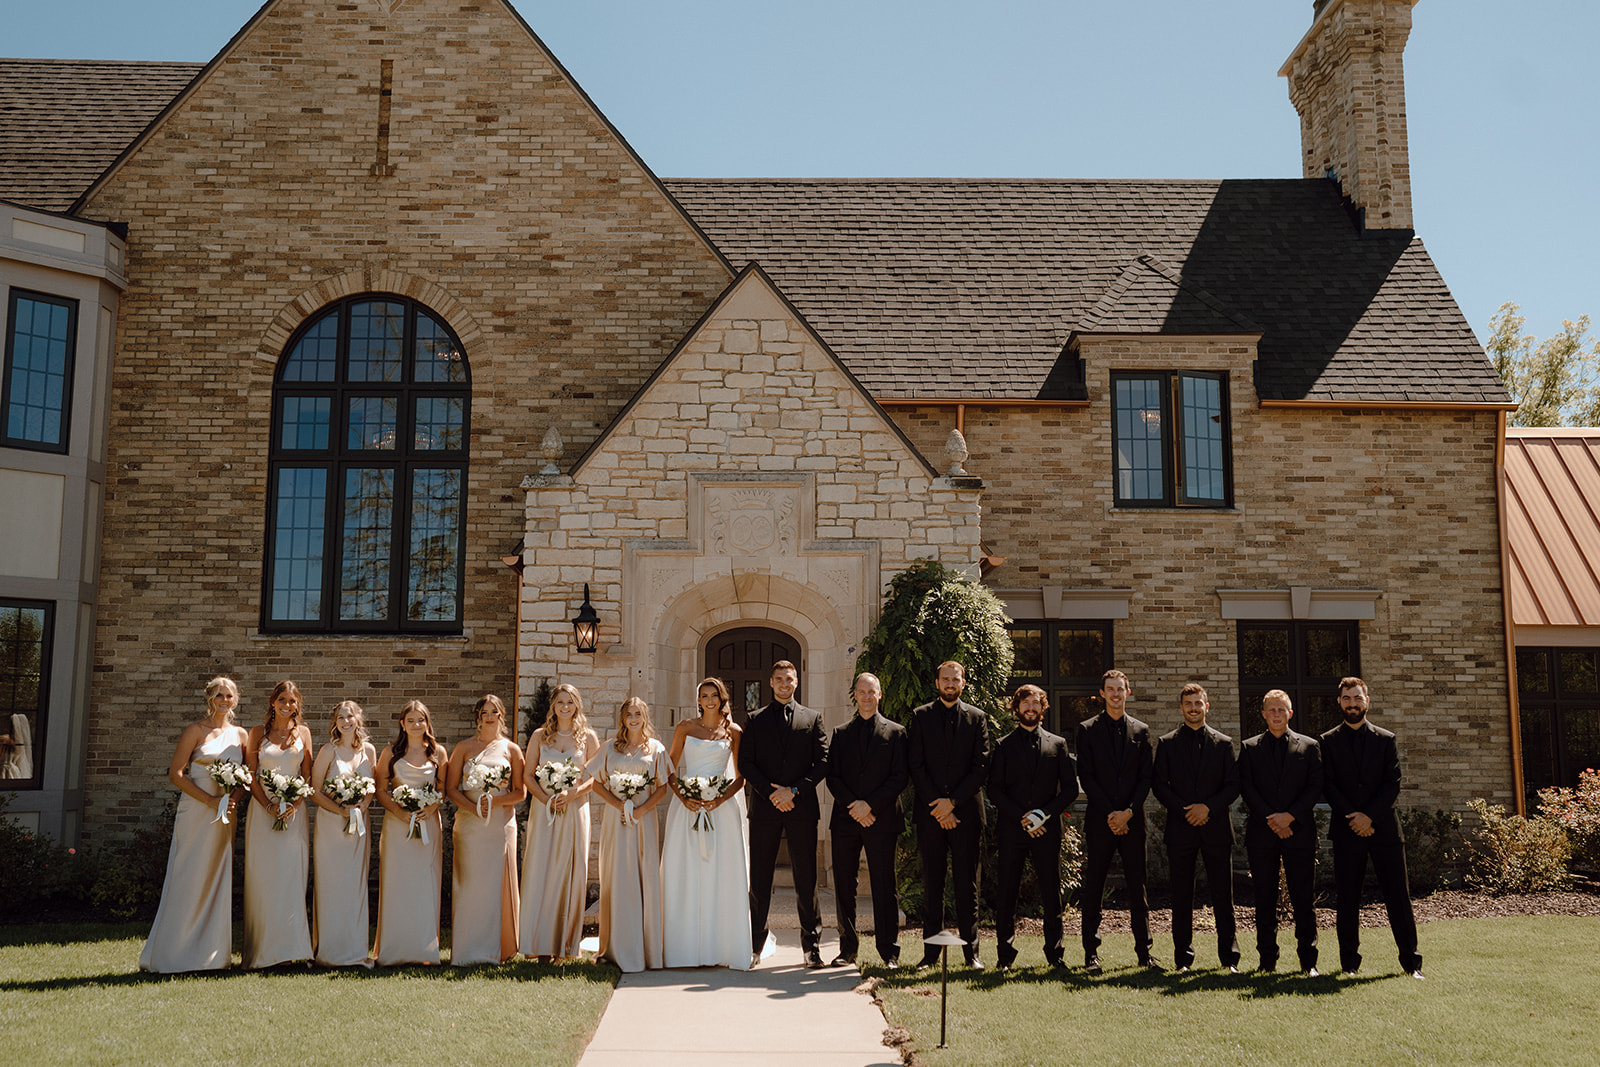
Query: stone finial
point(955, 453)
point(551, 448)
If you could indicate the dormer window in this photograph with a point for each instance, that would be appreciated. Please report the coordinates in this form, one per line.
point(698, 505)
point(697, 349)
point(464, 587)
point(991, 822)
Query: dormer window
point(1170, 439)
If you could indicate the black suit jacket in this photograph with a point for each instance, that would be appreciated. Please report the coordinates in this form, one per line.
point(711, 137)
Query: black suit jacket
point(773, 753)
point(867, 761)
point(1112, 783)
point(949, 763)
point(1180, 779)
point(1022, 778)
point(1361, 772)
point(1296, 789)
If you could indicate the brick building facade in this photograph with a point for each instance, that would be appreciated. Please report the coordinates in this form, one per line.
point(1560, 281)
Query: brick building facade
point(1229, 431)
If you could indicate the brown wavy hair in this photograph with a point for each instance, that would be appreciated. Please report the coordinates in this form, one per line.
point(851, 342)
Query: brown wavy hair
point(361, 735)
point(285, 687)
point(620, 742)
point(489, 700)
point(723, 700)
point(430, 744)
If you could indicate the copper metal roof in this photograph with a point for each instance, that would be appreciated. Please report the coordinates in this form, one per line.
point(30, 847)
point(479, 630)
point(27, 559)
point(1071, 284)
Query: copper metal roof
point(1552, 526)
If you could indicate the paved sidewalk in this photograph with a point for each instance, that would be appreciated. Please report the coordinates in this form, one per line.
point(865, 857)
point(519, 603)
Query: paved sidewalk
point(779, 1014)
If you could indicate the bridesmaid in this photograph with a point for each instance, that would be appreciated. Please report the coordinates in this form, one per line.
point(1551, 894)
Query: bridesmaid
point(277, 862)
point(555, 866)
point(193, 930)
point(410, 869)
point(343, 856)
point(630, 852)
point(484, 902)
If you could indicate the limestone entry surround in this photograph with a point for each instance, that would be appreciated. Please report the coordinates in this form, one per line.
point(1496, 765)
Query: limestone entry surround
point(750, 482)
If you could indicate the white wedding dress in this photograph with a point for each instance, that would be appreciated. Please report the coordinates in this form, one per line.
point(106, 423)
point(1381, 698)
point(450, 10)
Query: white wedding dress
point(705, 880)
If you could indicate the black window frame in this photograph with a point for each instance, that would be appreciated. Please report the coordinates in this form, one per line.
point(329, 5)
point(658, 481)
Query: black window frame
point(1301, 685)
point(1174, 492)
point(1557, 703)
point(41, 722)
point(1059, 687)
point(6, 378)
point(339, 458)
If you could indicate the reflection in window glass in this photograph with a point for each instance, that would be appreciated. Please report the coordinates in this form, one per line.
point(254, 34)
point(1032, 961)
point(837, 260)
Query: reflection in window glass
point(438, 424)
point(1576, 667)
point(435, 507)
point(1027, 663)
point(1263, 652)
point(437, 357)
point(1081, 654)
point(1559, 716)
point(1203, 475)
point(377, 330)
point(38, 370)
point(1139, 454)
point(1538, 749)
point(364, 550)
point(372, 424)
point(303, 422)
point(1327, 651)
point(299, 523)
point(1533, 670)
point(315, 357)
point(24, 652)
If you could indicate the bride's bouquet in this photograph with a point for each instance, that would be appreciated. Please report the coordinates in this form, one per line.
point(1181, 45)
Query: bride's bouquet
point(229, 776)
point(350, 790)
point(704, 788)
point(625, 785)
point(557, 776)
point(285, 789)
point(485, 778)
point(414, 799)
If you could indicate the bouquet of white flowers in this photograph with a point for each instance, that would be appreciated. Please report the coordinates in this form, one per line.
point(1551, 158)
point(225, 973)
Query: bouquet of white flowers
point(625, 786)
point(557, 776)
point(485, 779)
point(350, 790)
point(705, 788)
point(415, 800)
point(229, 776)
point(285, 789)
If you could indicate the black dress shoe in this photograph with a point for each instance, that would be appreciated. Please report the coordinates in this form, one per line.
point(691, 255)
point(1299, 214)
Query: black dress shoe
point(1147, 960)
point(1055, 961)
point(844, 960)
point(813, 959)
point(930, 958)
point(1091, 963)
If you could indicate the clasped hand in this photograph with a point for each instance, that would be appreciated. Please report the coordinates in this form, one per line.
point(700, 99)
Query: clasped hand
point(782, 798)
point(943, 811)
point(1361, 823)
point(861, 812)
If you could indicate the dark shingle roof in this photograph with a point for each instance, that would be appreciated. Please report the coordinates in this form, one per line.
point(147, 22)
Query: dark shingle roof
point(971, 287)
point(63, 121)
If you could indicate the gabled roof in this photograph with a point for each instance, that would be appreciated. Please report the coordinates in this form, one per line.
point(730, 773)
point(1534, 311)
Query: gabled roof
point(971, 287)
point(1552, 526)
point(62, 121)
point(1150, 297)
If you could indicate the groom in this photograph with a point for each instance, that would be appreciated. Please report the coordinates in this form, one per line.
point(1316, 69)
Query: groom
point(783, 756)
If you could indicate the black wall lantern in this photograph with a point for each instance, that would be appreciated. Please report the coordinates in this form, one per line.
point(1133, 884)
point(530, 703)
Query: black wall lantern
point(586, 624)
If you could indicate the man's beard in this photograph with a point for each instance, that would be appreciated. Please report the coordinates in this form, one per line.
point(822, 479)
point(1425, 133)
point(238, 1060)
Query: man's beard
point(1354, 715)
point(1029, 720)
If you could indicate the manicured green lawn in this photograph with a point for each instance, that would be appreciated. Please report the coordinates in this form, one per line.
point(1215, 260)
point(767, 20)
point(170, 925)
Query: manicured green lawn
point(1499, 991)
point(71, 995)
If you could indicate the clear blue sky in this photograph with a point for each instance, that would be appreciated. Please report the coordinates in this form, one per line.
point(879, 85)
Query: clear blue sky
point(1502, 97)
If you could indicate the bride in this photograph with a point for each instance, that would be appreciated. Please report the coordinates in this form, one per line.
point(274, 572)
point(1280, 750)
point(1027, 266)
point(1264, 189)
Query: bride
point(705, 882)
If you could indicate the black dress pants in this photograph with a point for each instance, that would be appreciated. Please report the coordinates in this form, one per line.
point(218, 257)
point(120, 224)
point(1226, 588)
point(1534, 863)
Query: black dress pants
point(1219, 877)
point(1350, 854)
point(850, 839)
point(767, 829)
point(960, 848)
point(1267, 854)
point(1100, 845)
point(1016, 846)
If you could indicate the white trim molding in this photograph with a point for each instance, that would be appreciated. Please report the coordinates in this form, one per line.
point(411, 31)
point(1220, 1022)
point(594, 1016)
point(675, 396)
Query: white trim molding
point(1058, 602)
point(1299, 602)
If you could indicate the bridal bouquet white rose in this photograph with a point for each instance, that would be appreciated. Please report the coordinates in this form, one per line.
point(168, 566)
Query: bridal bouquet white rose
point(229, 776)
point(704, 788)
point(285, 789)
point(625, 785)
point(485, 778)
point(350, 790)
point(414, 799)
point(557, 776)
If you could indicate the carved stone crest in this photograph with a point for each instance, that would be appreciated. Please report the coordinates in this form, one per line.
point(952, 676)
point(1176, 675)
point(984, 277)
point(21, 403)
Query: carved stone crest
point(752, 521)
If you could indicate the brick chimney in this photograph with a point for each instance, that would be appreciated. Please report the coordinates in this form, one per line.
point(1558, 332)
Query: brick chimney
point(1347, 81)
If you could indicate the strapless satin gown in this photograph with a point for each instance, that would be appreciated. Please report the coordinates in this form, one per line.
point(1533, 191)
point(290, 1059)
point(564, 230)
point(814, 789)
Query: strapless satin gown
point(410, 881)
point(193, 930)
point(484, 901)
point(630, 864)
point(705, 879)
point(339, 914)
point(277, 928)
point(555, 875)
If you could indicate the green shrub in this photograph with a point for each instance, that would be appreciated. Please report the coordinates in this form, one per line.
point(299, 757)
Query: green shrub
point(1577, 811)
point(1513, 854)
point(1433, 846)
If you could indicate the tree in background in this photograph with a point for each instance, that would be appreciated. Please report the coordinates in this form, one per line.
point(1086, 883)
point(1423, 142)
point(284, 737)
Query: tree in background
point(1556, 383)
point(934, 613)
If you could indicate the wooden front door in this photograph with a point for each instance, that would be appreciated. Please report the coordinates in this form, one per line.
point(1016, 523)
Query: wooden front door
point(743, 659)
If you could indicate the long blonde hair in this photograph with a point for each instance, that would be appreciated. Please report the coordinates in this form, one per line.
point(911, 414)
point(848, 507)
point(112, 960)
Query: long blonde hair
point(214, 687)
point(620, 742)
point(552, 726)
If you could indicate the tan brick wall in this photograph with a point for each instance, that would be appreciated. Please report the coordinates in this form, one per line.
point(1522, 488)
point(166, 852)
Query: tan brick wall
point(511, 209)
point(1341, 498)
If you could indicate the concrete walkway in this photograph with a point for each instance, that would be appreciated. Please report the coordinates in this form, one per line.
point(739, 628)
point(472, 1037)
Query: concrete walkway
point(779, 1014)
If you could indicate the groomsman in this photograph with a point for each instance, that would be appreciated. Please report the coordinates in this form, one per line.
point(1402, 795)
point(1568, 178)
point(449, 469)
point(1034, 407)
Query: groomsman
point(1361, 779)
point(1196, 780)
point(783, 755)
point(1031, 782)
point(867, 771)
point(949, 754)
point(1114, 767)
point(1280, 775)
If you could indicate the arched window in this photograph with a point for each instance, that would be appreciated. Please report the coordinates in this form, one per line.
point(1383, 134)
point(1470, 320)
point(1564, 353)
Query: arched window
point(366, 500)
